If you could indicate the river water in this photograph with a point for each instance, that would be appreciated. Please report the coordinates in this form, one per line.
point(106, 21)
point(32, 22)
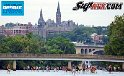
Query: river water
point(59, 73)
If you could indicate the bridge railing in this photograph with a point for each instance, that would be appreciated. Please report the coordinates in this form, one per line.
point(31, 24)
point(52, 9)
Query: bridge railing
point(70, 56)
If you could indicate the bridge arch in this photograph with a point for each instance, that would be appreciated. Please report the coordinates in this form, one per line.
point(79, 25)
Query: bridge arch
point(86, 49)
point(97, 52)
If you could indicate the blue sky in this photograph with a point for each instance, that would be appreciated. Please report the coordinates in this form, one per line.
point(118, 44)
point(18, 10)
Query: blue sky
point(49, 7)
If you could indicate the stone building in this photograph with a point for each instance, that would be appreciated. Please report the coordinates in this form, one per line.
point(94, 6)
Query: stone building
point(50, 27)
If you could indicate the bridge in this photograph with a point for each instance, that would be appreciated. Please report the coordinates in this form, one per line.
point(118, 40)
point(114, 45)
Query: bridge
point(75, 57)
point(88, 49)
point(69, 57)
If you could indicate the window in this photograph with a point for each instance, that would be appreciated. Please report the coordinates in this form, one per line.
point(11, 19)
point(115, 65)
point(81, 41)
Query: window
point(82, 51)
point(89, 50)
point(85, 51)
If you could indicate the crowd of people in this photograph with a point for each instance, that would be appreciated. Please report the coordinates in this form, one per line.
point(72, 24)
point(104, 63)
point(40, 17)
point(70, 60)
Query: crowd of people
point(74, 69)
point(110, 68)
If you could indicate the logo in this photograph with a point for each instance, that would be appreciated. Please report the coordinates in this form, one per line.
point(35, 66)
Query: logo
point(12, 8)
point(98, 6)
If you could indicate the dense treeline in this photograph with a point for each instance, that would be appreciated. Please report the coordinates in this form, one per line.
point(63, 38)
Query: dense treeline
point(34, 44)
point(83, 34)
point(115, 45)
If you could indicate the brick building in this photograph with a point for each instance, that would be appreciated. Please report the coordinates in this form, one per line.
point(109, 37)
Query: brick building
point(18, 29)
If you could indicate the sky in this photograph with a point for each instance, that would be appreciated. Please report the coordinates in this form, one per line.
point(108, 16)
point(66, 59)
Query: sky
point(49, 7)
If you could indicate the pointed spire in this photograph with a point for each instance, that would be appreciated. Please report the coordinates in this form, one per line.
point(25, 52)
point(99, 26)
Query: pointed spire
point(58, 8)
point(58, 15)
point(41, 21)
point(41, 13)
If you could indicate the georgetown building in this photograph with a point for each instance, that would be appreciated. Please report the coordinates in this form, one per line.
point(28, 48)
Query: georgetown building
point(50, 27)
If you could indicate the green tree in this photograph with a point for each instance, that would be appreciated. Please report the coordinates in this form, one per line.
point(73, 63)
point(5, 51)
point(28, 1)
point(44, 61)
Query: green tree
point(21, 44)
point(101, 30)
point(60, 45)
point(79, 34)
point(82, 33)
point(115, 45)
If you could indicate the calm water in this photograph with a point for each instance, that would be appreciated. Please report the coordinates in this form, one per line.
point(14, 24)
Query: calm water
point(60, 73)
